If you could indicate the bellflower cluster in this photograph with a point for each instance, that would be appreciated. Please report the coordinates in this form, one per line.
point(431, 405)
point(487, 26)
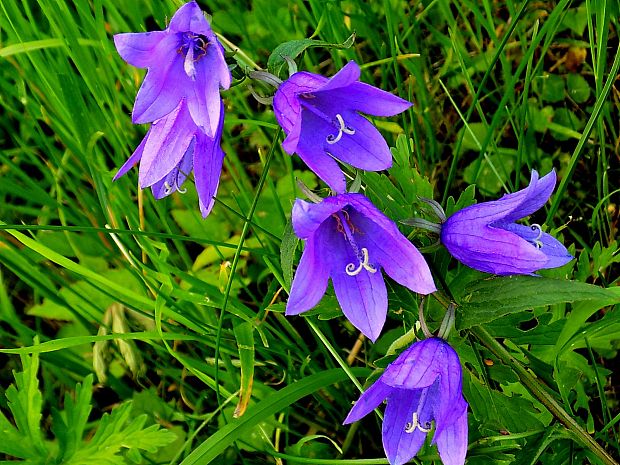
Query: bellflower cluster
point(180, 95)
point(485, 236)
point(321, 119)
point(422, 386)
point(349, 240)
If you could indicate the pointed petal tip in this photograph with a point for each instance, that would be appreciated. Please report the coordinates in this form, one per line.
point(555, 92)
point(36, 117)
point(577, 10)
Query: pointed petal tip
point(206, 209)
point(119, 174)
point(294, 308)
point(370, 399)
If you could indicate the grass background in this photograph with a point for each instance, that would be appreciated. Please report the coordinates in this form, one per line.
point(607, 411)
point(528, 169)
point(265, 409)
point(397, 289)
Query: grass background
point(97, 277)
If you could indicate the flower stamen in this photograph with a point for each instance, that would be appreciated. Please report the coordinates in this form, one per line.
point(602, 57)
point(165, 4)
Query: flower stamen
point(352, 270)
point(343, 129)
point(414, 424)
point(196, 46)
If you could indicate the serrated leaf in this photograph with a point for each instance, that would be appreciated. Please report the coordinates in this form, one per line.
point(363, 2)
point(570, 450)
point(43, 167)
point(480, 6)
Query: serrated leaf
point(25, 403)
point(488, 299)
point(294, 48)
point(13, 442)
point(407, 177)
point(118, 432)
point(69, 425)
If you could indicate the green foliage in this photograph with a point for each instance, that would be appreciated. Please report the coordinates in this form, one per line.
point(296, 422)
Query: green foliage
point(119, 437)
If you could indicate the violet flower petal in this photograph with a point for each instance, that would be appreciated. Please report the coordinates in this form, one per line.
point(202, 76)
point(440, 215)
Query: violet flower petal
point(366, 149)
point(163, 86)
point(418, 366)
point(368, 401)
point(320, 121)
point(537, 194)
point(554, 250)
point(139, 49)
point(399, 445)
point(173, 181)
point(309, 148)
point(413, 404)
point(353, 257)
point(395, 254)
point(370, 100)
point(363, 297)
point(185, 61)
point(343, 78)
point(189, 18)
point(168, 141)
point(208, 159)
point(452, 440)
point(312, 275)
point(308, 216)
point(135, 157)
point(204, 102)
point(493, 250)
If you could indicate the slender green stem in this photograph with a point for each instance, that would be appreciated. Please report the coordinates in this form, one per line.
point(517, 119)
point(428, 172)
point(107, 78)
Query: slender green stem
point(335, 354)
point(537, 390)
point(246, 227)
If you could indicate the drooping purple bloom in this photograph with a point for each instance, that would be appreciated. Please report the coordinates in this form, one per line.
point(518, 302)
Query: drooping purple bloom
point(422, 386)
point(349, 240)
point(485, 236)
point(185, 61)
point(321, 119)
point(172, 147)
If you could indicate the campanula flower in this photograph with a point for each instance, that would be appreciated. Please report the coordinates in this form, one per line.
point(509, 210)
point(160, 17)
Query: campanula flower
point(321, 119)
point(349, 240)
point(485, 236)
point(422, 386)
point(184, 62)
point(172, 147)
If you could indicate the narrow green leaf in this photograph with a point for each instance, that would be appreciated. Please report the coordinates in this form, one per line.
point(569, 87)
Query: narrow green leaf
point(244, 334)
point(224, 437)
point(131, 296)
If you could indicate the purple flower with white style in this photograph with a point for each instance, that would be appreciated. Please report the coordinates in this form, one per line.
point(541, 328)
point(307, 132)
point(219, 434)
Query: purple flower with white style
point(172, 147)
point(422, 386)
point(485, 236)
point(349, 240)
point(185, 62)
point(322, 121)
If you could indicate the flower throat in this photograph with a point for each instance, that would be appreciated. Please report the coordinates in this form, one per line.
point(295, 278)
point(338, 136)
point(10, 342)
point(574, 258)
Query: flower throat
point(346, 227)
point(195, 47)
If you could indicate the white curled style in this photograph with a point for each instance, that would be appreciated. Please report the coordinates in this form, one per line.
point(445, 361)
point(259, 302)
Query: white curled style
point(536, 241)
point(414, 424)
point(352, 270)
point(167, 188)
point(343, 129)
